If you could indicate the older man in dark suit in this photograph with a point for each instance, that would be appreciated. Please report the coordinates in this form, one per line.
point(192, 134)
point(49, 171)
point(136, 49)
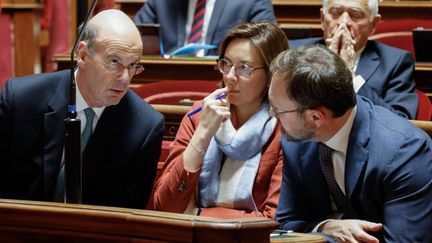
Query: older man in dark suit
point(387, 71)
point(120, 158)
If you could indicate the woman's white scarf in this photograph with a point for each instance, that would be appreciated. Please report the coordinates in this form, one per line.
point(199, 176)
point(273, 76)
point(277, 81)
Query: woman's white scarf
point(243, 146)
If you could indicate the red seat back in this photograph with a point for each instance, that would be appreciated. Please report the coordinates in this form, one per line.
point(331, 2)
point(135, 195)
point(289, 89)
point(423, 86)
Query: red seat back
point(173, 91)
point(424, 111)
point(398, 32)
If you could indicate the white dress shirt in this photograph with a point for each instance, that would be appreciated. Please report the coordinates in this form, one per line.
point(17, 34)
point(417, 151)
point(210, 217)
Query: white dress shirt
point(81, 105)
point(339, 143)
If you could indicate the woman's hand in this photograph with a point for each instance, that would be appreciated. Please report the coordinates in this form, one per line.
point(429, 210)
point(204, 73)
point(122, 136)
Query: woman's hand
point(215, 110)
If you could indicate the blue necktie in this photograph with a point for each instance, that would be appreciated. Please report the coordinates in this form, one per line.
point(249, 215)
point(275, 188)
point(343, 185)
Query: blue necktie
point(85, 136)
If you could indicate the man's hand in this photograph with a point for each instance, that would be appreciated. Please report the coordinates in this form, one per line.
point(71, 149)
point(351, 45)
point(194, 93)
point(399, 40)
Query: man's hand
point(343, 44)
point(350, 230)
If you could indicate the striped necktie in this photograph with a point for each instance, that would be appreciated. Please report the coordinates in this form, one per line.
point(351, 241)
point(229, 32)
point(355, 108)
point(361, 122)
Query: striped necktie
point(195, 35)
point(59, 190)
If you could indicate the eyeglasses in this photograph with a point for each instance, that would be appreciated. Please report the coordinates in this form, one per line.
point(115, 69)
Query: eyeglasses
point(115, 66)
point(242, 70)
point(274, 112)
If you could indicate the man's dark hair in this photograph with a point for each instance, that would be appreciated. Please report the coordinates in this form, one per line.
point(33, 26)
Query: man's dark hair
point(316, 77)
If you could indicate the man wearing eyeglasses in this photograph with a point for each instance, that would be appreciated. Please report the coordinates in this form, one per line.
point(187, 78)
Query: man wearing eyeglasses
point(124, 132)
point(387, 72)
point(354, 171)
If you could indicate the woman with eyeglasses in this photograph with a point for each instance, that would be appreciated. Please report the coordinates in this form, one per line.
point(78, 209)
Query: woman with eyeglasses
point(226, 161)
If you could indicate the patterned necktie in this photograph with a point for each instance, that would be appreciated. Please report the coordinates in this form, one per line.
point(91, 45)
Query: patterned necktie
point(326, 163)
point(197, 24)
point(85, 136)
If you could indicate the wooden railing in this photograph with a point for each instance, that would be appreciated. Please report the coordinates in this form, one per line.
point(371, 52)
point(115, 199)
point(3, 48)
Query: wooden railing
point(174, 114)
point(29, 221)
point(158, 68)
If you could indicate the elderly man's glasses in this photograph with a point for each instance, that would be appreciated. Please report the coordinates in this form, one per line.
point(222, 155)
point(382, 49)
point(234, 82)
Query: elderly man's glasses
point(114, 65)
point(274, 112)
point(242, 70)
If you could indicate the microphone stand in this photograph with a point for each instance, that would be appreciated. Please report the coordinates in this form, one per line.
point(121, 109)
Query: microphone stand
point(73, 166)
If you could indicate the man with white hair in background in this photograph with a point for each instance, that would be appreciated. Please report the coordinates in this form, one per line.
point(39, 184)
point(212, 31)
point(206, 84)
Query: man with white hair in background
point(387, 72)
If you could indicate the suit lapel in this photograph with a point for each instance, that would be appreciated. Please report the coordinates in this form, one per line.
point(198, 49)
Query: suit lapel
point(54, 135)
point(357, 152)
point(368, 63)
point(314, 183)
point(182, 11)
point(214, 20)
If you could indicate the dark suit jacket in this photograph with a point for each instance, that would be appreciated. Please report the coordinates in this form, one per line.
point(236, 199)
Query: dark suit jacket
point(388, 73)
point(172, 15)
point(388, 178)
point(120, 160)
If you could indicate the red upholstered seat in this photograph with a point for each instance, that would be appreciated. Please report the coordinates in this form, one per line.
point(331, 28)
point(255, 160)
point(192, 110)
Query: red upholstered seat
point(173, 91)
point(424, 111)
point(398, 33)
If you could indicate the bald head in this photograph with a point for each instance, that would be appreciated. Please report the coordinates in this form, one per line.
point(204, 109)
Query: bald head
point(111, 24)
point(114, 22)
point(107, 57)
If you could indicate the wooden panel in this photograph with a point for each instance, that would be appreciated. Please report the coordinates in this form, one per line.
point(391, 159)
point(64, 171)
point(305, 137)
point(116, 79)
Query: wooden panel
point(27, 53)
point(28, 221)
point(130, 7)
point(26, 27)
point(173, 116)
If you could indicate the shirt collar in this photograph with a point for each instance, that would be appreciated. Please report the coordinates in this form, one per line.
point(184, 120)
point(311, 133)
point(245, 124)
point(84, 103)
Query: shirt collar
point(81, 104)
point(357, 57)
point(339, 141)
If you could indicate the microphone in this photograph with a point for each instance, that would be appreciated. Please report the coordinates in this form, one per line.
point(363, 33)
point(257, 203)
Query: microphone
point(73, 166)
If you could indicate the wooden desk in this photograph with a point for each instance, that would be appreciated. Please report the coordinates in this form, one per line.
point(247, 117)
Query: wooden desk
point(25, 16)
point(30, 221)
point(426, 126)
point(297, 237)
point(158, 68)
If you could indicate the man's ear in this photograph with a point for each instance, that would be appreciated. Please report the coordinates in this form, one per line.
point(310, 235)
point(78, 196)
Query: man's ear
point(322, 18)
point(374, 23)
point(81, 54)
point(316, 116)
